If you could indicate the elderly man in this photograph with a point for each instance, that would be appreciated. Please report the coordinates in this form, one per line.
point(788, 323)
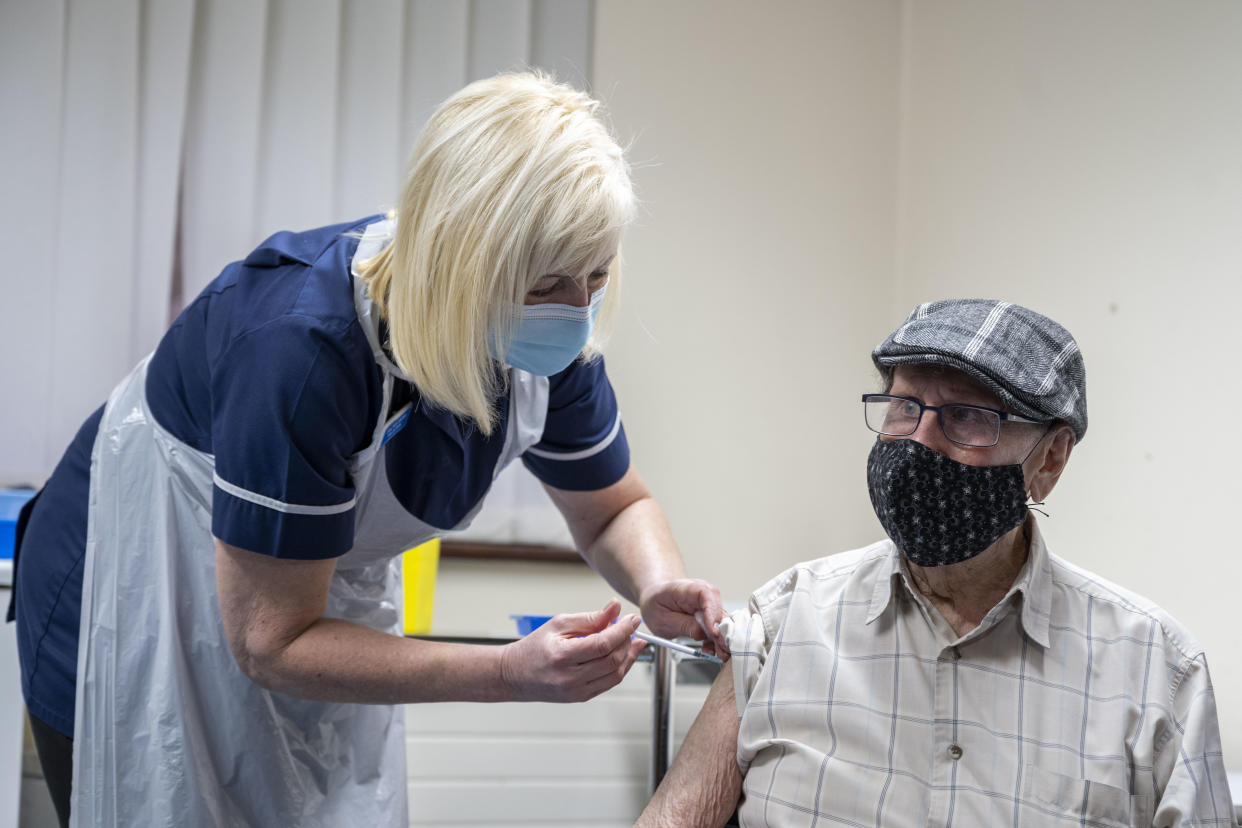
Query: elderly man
point(957, 673)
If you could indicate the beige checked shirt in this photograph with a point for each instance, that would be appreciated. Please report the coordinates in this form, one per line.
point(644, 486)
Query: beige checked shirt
point(1075, 702)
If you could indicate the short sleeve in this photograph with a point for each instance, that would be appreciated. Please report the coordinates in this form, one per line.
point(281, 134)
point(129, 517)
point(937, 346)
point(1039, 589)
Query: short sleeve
point(290, 407)
point(752, 631)
point(583, 447)
point(743, 629)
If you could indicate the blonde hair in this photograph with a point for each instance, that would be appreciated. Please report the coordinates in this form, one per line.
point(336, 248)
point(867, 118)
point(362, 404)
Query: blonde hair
point(513, 178)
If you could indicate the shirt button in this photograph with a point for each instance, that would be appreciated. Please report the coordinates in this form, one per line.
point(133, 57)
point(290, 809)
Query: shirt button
point(957, 654)
point(955, 752)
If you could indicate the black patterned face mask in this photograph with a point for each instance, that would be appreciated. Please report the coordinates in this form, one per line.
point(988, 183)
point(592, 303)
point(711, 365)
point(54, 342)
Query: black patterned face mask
point(939, 511)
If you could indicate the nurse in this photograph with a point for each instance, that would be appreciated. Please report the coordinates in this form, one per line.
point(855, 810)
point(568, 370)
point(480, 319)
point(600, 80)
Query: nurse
point(206, 587)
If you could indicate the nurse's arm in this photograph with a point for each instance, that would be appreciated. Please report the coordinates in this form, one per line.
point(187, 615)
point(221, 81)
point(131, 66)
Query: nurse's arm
point(702, 787)
point(272, 613)
point(622, 533)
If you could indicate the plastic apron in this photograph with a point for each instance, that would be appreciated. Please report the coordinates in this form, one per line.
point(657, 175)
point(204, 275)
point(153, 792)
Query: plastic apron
point(169, 730)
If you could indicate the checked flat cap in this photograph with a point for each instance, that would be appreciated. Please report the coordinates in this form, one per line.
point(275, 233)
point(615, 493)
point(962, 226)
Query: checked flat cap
point(1026, 359)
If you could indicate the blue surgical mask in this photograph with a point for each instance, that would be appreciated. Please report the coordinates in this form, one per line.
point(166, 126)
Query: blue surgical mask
point(547, 338)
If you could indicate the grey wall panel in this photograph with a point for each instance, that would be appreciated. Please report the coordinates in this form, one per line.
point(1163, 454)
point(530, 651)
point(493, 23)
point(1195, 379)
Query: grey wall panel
point(94, 261)
point(561, 33)
point(370, 155)
point(436, 50)
point(499, 36)
point(298, 119)
point(164, 75)
point(221, 158)
point(31, 61)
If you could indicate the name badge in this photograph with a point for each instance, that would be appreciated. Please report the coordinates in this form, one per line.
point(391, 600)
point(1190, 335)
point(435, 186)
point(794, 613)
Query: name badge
point(398, 422)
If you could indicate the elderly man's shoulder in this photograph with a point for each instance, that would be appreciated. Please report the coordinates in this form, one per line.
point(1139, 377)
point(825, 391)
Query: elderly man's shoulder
point(1081, 597)
point(828, 575)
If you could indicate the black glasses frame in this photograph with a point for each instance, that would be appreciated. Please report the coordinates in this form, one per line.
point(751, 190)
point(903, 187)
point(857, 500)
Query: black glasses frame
point(1004, 416)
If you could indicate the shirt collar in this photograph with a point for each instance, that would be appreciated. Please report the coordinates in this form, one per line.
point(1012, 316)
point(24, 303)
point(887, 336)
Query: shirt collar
point(882, 592)
point(1034, 584)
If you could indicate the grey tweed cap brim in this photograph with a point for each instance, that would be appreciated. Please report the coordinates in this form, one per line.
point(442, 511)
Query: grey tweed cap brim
point(1030, 362)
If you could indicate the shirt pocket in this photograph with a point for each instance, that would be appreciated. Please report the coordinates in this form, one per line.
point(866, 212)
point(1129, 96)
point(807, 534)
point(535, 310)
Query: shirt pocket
point(1095, 803)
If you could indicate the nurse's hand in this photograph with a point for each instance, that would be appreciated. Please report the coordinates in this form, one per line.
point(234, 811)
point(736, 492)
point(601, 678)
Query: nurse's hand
point(685, 606)
point(572, 657)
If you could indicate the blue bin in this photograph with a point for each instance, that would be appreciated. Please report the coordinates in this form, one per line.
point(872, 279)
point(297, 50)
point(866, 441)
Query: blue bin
point(526, 624)
point(11, 503)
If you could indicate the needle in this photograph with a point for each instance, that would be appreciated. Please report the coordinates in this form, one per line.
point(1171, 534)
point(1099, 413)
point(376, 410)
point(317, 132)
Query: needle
point(673, 645)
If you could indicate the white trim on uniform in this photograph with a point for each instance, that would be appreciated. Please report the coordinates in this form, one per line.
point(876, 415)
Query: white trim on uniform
point(277, 505)
point(584, 453)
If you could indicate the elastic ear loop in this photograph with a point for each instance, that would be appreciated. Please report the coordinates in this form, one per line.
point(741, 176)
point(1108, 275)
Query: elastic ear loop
point(1032, 506)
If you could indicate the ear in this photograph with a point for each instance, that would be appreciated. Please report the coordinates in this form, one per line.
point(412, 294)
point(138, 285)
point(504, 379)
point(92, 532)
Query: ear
point(1043, 468)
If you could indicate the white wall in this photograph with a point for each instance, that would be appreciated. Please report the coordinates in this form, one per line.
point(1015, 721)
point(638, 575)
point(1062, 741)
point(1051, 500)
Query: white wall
point(763, 140)
point(1084, 159)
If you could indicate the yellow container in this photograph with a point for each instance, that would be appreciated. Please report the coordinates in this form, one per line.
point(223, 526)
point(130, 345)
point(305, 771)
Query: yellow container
point(418, 578)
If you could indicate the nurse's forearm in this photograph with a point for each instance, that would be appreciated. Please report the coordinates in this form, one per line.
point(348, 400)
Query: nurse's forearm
point(335, 660)
point(635, 550)
point(573, 657)
point(272, 613)
point(622, 532)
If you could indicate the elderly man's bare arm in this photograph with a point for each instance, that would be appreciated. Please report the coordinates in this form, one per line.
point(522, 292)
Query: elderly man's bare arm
point(703, 785)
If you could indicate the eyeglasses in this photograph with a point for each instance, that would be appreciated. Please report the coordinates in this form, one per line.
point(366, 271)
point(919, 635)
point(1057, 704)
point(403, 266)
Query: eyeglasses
point(966, 425)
